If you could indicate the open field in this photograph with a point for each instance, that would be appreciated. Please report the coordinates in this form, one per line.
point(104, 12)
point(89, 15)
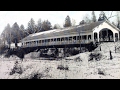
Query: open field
point(76, 69)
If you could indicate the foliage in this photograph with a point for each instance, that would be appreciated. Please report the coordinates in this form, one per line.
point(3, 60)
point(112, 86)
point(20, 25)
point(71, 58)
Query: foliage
point(56, 26)
point(93, 17)
point(96, 56)
point(67, 22)
point(46, 25)
point(17, 68)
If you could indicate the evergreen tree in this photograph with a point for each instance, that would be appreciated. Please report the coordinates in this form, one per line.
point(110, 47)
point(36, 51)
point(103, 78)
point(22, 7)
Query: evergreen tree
point(22, 31)
point(39, 25)
point(56, 26)
point(67, 22)
point(46, 25)
point(15, 33)
point(93, 17)
point(31, 26)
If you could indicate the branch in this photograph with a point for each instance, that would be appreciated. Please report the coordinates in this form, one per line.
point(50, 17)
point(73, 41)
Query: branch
point(112, 16)
point(104, 15)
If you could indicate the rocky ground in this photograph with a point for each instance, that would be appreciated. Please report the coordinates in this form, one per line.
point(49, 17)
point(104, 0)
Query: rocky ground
point(78, 66)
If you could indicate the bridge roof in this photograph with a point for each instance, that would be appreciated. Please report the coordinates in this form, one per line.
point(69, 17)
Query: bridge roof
point(83, 29)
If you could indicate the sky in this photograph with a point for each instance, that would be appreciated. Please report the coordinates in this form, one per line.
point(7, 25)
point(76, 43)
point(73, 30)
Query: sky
point(55, 17)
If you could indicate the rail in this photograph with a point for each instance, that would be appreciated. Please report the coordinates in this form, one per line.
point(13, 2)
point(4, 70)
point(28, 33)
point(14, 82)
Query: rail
point(58, 43)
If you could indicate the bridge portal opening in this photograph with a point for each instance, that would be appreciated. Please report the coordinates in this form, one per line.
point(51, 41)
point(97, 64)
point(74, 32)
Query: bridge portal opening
point(106, 35)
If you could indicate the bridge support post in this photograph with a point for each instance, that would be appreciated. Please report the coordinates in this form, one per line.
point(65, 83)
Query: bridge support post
point(114, 36)
point(98, 36)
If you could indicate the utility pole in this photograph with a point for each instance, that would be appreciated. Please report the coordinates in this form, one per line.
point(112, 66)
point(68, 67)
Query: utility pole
point(79, 40)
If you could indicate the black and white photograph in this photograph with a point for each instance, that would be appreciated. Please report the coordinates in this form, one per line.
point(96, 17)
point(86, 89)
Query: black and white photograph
point(59, 44)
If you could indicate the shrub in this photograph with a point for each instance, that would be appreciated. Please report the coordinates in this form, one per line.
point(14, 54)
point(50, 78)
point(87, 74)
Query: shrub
point(96, 56)
point(77, 59)
point(16, 69)
point(101, 72)
point(61, 67)
point(3, 49)
point(36, 76)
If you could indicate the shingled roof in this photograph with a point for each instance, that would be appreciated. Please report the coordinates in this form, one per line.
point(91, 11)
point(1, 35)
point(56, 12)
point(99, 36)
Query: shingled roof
point(65, 31)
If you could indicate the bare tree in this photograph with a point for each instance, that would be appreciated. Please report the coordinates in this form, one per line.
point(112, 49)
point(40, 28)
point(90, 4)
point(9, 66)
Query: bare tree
point(106, 15)
point(113, 23)
point(73, 22)
point(118, 18)
point(87, 19)
point(6, 34)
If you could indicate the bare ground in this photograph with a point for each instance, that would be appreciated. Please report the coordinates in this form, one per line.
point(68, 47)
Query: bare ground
point(76, 69)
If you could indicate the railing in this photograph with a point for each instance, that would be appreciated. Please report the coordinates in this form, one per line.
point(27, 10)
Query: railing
point(59, 43)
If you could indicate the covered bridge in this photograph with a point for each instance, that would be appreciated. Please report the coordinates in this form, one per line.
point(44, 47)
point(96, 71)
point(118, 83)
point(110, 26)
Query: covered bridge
point(95, 32)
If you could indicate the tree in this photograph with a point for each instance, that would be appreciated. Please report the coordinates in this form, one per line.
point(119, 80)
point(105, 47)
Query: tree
point(22, 31)
point(46, 25)
point(93, 17)
point(39, 25)
point(56, 26)
point(82, 22)
point(104, 16)
point(73, 22)
point(31, 26)
point(15, 33)
point(6, 34)
point(118, 19)
point(113, 23)
point(67, 22)
point(87, 19)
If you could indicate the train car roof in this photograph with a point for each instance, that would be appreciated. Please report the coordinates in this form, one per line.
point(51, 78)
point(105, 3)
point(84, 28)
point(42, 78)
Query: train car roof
point(82, 29)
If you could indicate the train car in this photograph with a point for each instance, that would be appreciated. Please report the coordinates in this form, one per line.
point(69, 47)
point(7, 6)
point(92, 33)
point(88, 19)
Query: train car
point(75, 36)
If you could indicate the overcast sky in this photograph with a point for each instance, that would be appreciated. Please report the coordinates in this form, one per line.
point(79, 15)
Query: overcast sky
point(55, 17)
